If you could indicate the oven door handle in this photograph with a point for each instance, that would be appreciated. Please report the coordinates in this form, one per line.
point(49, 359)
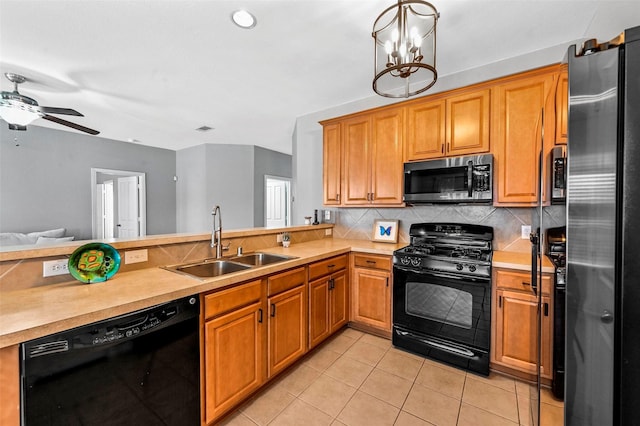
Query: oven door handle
point(441, 274)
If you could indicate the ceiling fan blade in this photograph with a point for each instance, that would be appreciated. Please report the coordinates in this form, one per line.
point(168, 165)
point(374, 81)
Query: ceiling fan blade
point(70, 124)
point(65, 111)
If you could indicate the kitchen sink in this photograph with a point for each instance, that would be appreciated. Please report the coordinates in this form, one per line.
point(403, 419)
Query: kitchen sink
point(260, 259)
point(211, 268)
point(208, 268)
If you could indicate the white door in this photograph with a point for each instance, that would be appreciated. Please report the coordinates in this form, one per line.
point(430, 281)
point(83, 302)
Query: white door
point(276, 200)
point(128, 211)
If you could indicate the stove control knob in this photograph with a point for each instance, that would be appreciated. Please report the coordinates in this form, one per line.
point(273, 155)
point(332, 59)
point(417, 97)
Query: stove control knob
point(459, 267)
point(405, 260)
point(415, 261)
point(472, 268)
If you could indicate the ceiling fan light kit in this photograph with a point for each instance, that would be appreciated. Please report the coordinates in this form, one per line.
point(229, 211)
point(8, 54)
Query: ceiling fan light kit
point(405, 49)
point(19, 110)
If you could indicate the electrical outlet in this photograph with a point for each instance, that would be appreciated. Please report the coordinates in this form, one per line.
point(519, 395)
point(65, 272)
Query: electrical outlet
point(328, 231)
point(51, 268)
point(525, 231)
point(135, 256)
point(278, 238)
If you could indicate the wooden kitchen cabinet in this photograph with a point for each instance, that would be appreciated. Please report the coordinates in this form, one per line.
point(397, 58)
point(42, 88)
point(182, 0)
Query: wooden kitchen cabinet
point(328, 298)
point(10, 386)
point(562, 106)
point(363, 157)
point(234, 351)
point(514, 316)
point(371, 292)
point(287, 325)
point(372, 158)
point(520, 108)
point(452, 126)
point(331, 164)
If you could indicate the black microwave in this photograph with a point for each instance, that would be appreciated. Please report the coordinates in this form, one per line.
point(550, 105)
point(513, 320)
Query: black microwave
point(449, 180)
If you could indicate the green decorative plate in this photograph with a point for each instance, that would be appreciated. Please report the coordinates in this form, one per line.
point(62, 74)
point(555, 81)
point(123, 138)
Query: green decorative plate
point(94, 263)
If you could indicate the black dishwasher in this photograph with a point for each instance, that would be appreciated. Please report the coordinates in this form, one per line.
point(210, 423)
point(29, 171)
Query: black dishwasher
point(141, 368)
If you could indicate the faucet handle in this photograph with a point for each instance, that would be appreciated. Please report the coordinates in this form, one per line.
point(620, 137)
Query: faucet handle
point(225, 248)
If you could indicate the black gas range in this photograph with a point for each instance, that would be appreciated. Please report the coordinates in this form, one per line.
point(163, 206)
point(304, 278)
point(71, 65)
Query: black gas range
point(442, 294)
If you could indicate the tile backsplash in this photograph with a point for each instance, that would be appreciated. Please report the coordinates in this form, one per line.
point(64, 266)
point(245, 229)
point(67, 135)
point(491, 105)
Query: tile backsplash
point(357, 223)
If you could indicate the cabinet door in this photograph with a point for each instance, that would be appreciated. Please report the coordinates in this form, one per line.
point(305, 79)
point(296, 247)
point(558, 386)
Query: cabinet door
point(319, 327)
point(233, 359)
point(356, 161)
point(562, 107)
point(516, 316)
point(287, 329)
point(425, 130)
point(468, 123)
point(331, 171)
point(338, 300)
point(371, 298)
point(517, 133)
point(386, 157)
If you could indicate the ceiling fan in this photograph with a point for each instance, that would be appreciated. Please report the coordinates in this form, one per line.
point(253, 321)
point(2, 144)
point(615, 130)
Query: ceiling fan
point(19, 110)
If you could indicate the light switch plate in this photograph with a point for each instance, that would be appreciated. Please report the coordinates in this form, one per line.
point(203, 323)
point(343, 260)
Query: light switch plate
point(525, 232)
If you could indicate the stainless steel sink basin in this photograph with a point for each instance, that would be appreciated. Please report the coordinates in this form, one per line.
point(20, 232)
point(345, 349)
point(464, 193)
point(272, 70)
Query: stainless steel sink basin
point(260, 259)
point(208, 268)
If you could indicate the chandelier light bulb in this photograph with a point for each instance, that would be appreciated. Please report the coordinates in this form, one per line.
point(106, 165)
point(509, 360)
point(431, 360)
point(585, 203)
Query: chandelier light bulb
point(395, 35)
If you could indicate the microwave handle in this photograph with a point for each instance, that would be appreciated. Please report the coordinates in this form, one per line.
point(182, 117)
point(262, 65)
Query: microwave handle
point(470, 178)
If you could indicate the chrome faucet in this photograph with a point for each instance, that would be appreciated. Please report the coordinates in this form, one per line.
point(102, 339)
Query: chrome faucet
point(216, 234)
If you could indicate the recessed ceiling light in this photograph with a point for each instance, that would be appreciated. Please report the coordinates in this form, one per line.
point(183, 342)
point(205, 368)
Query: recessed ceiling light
point(243, 19)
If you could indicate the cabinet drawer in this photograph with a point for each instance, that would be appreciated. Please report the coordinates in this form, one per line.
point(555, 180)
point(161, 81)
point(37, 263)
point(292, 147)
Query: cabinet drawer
point(372, 261)
point(325, 267)
point(286, 280)
point(520, 281)
point(226, 300)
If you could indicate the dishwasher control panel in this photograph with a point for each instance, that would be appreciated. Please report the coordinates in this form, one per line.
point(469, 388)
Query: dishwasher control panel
point(115, 329)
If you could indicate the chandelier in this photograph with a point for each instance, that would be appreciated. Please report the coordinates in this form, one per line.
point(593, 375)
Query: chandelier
point(405, 49)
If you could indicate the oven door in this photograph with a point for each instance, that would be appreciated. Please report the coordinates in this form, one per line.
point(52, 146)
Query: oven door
point(443, 316)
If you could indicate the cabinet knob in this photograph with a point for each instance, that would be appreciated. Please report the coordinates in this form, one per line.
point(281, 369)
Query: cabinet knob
point(606, 317)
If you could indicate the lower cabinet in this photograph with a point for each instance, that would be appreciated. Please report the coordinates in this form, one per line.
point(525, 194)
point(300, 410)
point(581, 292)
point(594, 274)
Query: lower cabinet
point(287, 324)
point(371, 291)
point(328, 298)
point(515, 318)
point(251, 332)
point(233, 347)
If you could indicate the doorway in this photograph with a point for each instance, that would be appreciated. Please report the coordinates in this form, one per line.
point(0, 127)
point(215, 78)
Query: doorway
point(277, 211)
point(118, 204)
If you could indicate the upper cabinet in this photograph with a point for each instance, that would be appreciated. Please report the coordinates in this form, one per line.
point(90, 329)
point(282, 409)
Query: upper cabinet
point(332, 164)
point(368, 148)
point(562, 106)
point(516, 118)
point(521, 107)
point(456, 125)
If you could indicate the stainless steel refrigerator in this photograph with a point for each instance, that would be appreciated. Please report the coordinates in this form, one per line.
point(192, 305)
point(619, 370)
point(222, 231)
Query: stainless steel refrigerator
point(603, 233)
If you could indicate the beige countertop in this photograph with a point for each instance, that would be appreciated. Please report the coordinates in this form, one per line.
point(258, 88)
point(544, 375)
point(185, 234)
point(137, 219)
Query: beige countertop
point(520, 261)
point(39, 311)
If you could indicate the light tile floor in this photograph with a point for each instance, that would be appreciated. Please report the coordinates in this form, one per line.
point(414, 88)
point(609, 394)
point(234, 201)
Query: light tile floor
point(358, 379)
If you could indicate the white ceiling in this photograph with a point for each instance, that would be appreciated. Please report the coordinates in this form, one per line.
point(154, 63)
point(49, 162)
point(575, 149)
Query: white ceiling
point(155, 70)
